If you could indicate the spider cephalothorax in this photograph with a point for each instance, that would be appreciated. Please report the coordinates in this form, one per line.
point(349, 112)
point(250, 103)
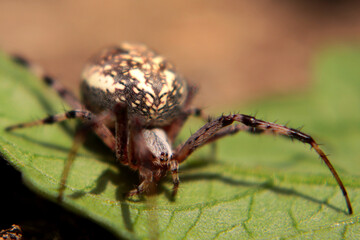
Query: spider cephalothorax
point(136, 103)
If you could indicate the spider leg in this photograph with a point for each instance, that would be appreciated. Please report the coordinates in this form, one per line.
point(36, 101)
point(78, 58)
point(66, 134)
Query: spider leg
point(121, 134)
point(173, 129)
point(101, 130)
point(118, 144)
point(62, 91)
point(140, 158)
point(147, 182)
point(174, 168)
point(229, 130)
point(96, 124)
point(208, 133)
point(82, 114)
point(147, 177)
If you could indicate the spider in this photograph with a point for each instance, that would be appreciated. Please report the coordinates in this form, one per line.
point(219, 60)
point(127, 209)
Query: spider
point(136, 103)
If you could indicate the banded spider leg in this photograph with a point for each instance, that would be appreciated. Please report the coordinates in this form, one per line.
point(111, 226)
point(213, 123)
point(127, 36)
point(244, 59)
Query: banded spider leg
point(222, 127)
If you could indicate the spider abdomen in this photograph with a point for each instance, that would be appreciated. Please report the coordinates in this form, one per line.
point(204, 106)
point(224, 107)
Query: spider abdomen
point(138, 77)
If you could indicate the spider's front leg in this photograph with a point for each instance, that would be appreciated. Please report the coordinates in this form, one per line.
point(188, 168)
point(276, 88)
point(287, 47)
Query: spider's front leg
point(219, 127)
point(121, 134)
point(147, 180)
point(173, 167)
point(131, 149)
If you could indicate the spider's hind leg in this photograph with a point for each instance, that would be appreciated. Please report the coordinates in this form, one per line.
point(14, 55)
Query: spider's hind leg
point(62, 91)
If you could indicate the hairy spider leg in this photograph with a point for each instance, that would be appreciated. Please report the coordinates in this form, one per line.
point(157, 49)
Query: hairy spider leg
point(91, 122)
point(140, 158)
point(101, 129)
point(174, 128)
point(230, 130)
point(174, 168)
point(131, 150)
point(121, 133)
point(81, 114)
point(125, 134)
point(118, 142)
point(63, 92)
point(220, 127)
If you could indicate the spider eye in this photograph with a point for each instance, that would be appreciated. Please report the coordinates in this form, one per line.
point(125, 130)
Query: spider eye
point(162, 155)
point(162, 66)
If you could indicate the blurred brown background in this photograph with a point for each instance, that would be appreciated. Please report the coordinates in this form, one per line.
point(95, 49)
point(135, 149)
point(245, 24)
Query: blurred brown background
point(237, 51)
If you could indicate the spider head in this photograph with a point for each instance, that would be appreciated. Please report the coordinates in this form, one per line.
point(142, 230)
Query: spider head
point(159, 145)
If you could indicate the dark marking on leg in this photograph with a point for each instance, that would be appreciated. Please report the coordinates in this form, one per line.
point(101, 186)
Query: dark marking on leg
point(71, 114)
point(173, 166)
point(48, 80)
point(81, 114)
point(202, 136)
point(49, 120)
point(20, 60)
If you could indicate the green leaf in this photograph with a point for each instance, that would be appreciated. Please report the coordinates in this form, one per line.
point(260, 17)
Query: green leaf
point(258, 186)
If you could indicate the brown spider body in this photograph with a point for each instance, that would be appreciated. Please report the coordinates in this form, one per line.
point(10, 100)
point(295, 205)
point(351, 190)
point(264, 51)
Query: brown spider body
point(154, 95)
point(136, 103)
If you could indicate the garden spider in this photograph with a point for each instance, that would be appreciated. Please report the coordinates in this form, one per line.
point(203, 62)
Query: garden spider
point(133, 99)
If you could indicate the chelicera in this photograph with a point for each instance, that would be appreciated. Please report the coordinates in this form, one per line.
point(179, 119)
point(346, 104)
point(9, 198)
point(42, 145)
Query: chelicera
point(136, 102)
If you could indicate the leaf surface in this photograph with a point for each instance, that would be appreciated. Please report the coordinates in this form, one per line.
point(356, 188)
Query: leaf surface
point(258, 186)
